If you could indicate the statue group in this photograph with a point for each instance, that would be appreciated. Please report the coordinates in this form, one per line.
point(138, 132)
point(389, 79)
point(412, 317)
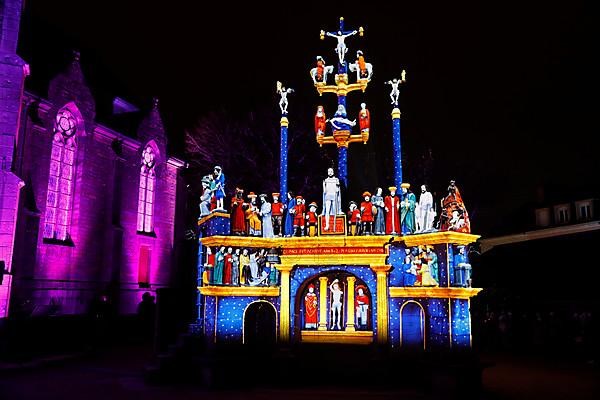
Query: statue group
point(336, 298)
point(395, 214)
point(238, 267)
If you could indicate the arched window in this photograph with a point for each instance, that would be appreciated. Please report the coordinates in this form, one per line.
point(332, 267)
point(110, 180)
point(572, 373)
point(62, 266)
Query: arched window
point(59, 200)
point(146, 190)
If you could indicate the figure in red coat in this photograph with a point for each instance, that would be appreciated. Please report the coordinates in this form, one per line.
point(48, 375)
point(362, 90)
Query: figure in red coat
point(364, 118)
point(366, 214)
point(299, 215)
point(392, 217)
point(238, 220)
point(311, 219)
point(277, 214)
point(320, 121)
point(353, 218)
point(228, 267)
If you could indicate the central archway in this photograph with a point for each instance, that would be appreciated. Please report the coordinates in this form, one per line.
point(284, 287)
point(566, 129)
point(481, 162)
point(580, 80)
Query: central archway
point(347, 311)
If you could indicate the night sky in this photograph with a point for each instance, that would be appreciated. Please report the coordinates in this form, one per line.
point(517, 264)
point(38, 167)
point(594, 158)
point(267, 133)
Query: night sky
point(502, 96)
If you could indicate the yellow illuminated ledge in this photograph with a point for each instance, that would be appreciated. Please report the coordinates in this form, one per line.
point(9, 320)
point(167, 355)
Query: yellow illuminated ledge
point(270, 291)
point(341, 241)
point(436, 292)
point(356, 337)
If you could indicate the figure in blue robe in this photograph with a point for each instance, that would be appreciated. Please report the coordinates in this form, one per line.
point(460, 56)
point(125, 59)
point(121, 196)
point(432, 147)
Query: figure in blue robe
point(462, 268)
point(432, 259)
point(219, 267)
point(289, 218)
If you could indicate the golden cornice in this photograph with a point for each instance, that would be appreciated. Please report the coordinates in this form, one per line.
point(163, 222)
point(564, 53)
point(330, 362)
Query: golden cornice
point(212, 215)
point(270, 291)
point(434, 292)
point(340, 241)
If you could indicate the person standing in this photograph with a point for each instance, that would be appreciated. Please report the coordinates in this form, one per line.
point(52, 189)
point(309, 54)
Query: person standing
point(392, 217)
point(310, 308)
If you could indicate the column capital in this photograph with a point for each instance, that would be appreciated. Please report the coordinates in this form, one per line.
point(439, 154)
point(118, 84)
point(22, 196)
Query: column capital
point(396, 113)
point(284, 121)
point(380, 269)
point(284, 267)
point(323, 278)
point(351, 279)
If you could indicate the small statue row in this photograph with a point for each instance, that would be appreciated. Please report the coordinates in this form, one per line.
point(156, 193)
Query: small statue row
point(274, 219)
point(363, 69)
point(239, 267)
point(393, 214)
point(340, 120)
point(420, 267)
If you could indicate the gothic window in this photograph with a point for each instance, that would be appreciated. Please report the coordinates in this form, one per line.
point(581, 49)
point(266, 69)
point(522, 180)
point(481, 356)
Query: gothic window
point(146, 191)
point(59, 200)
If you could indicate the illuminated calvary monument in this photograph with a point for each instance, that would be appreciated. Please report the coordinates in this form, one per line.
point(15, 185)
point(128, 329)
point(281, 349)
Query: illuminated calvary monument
point(406, 284)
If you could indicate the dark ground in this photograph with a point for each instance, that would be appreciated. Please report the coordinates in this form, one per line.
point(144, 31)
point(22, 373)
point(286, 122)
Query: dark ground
point(117, 373)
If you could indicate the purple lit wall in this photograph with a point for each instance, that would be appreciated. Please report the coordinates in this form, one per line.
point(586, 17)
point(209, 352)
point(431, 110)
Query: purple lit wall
point(102, 252)
point(13, 71)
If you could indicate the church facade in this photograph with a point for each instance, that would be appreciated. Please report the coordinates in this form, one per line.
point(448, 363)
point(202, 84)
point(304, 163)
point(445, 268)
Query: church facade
point(86, 211)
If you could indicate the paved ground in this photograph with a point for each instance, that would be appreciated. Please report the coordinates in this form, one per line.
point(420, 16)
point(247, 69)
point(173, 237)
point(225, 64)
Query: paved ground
point(117, 374)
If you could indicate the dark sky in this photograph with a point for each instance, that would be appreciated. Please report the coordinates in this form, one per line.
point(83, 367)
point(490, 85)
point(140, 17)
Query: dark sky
point(501, 93)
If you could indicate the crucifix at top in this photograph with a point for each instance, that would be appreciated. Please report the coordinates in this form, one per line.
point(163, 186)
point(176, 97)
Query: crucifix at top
point(341, 49)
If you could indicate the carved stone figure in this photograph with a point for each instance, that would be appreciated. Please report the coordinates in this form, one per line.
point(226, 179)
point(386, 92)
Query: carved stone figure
point(331, 197)
point(310, 308)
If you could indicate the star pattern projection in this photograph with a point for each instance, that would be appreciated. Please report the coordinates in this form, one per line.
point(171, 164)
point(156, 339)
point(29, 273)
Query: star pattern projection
point(461, 323)
point(230, 316)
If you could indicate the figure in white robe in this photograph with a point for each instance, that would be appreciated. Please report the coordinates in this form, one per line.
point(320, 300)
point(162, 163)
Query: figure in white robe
point(265, 213)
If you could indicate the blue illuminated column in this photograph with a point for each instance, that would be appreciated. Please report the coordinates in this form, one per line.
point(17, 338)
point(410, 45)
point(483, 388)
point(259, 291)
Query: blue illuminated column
point(397, 147)
point(283, 158)
point(343, 165)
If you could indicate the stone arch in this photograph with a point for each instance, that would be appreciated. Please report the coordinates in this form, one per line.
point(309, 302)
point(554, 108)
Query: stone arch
point(259, 326)
point(412, 325)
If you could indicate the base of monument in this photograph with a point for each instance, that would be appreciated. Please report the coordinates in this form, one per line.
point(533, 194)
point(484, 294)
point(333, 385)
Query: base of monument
point(337, 225)
point(345, 337)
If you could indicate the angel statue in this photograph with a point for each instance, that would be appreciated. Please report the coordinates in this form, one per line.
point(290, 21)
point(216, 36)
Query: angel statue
point(395, 91)
point(283, 92)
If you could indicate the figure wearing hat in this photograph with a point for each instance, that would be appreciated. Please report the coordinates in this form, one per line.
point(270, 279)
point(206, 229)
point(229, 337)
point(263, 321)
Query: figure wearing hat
point(366, 214)
point(379, 223)
point(311, 219)
point(310, 308)
point(238, 219)
point(353, 218)
point(299, 215)
point(219, 193)
point(361, 302)
point(392, 217)
point(265, 213)
point(252, 218)
point(277, 214)
point(408, 204)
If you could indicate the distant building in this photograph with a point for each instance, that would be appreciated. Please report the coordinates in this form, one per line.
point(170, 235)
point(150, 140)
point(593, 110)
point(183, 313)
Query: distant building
point(552, 262)
point(85, 210)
